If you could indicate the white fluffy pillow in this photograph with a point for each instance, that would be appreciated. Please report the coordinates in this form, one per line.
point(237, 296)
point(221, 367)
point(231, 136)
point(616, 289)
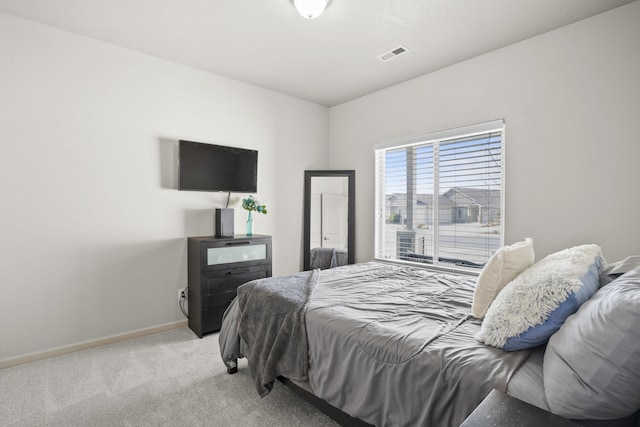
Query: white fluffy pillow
point(503, 266)
point(536, 303)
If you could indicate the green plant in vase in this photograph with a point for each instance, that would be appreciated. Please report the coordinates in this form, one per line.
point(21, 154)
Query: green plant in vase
point(251, 204)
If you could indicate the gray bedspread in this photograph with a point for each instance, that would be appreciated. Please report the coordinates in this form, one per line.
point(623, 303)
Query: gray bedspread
point(395, 346)
point(271, 320)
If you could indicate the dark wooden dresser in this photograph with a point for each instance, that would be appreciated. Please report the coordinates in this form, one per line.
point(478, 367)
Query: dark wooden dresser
point(217, 266)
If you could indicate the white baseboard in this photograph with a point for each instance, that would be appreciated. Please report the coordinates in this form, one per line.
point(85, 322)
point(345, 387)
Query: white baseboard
point(86, 345)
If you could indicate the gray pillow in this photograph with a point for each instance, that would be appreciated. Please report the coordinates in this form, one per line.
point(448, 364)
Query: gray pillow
point(617, 269)
point(592, 364)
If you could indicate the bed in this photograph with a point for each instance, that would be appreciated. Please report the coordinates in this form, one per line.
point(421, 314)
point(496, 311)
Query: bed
point(389, 345)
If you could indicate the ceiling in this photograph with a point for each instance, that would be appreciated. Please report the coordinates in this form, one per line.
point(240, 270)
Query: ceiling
point(329, 60)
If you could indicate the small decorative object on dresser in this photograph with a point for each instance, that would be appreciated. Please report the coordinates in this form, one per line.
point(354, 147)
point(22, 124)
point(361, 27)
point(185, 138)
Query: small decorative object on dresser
point(217, 266)
point(224, 222)
point(252, 204)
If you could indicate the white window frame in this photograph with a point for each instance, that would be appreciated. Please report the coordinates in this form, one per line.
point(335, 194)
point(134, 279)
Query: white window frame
point(433, 138)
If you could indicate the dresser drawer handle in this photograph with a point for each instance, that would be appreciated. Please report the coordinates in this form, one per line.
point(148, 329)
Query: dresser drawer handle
point(245, 242)
point(237, 270)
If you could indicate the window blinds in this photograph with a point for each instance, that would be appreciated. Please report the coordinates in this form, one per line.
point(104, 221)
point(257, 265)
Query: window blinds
point(439, 200)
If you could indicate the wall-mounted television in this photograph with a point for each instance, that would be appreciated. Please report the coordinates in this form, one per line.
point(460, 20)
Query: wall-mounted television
point(209, 167)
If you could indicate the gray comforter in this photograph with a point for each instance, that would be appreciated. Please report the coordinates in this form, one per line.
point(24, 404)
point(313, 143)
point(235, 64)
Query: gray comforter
point(271, 318)
point(394, 346)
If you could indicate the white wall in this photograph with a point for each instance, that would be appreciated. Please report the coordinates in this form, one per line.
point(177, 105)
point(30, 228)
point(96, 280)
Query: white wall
point(92, 229)
point(571, 102)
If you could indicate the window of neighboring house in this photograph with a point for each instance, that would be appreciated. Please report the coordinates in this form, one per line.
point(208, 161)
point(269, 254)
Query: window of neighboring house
point(440, 197)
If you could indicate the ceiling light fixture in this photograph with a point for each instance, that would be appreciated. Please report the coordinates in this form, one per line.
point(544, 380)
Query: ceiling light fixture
point(310, 9)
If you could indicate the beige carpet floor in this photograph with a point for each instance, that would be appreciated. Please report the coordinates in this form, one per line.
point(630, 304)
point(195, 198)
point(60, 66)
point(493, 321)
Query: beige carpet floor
point(169, 379)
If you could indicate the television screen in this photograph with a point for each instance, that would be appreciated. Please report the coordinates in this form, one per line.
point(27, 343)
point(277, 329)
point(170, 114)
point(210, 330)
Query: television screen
point(209, 167)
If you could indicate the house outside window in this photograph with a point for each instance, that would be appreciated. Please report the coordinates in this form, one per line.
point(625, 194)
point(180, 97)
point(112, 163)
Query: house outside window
point(440, 197)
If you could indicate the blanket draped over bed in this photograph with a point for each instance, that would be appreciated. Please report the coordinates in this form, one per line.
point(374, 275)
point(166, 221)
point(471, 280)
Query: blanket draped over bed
point(272, 321)
point(393, 346)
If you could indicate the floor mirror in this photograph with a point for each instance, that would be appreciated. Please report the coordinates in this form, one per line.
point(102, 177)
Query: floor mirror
point(329, 218)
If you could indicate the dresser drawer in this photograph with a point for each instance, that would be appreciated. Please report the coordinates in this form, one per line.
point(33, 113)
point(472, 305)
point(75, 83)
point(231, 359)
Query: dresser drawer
point(223, 286)
point(212, 319)
point(228, 280)
point(216, 255)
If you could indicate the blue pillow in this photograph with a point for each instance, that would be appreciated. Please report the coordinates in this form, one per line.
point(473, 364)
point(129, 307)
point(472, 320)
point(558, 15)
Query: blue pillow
point(540, 334)
point(536, 303)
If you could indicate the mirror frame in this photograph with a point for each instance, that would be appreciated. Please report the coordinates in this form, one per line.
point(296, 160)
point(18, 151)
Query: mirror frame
point(351, 211)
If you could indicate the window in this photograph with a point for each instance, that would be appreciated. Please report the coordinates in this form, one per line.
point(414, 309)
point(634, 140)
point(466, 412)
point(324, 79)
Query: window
point(440, 197)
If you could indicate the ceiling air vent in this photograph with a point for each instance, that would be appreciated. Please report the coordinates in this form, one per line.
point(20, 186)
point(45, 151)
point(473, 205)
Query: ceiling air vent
point(393, 53)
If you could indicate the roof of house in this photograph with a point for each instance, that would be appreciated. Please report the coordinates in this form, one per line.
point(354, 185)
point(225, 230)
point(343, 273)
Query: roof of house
point(478, 196)
point(422, 199)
